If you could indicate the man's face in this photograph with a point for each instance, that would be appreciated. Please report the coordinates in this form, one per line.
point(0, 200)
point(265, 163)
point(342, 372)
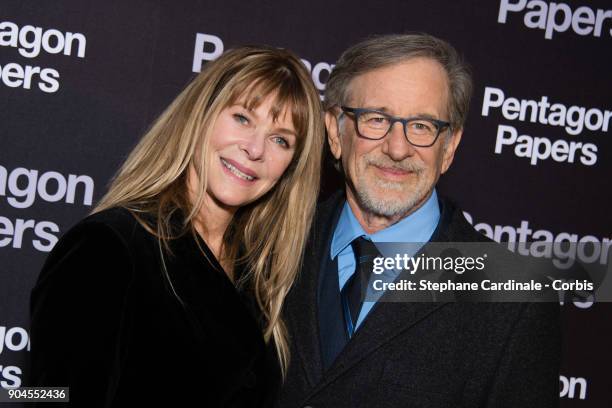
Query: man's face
point(390, 177)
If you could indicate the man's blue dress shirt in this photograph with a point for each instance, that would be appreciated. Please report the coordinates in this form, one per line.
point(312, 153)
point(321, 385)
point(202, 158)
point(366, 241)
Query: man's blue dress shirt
point(418, 227)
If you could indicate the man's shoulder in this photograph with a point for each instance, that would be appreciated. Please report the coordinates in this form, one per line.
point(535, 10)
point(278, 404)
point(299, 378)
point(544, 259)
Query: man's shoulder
point(453, 226)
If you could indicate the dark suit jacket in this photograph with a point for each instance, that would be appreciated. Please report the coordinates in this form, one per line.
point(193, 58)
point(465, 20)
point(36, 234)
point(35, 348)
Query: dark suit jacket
point(107, 323)
point(422, 354)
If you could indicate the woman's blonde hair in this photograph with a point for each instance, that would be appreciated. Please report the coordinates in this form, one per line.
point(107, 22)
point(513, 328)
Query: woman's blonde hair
point(267, 237)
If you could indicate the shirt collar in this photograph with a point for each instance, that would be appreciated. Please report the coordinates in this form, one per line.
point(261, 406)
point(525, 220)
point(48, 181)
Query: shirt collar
point(417, 227)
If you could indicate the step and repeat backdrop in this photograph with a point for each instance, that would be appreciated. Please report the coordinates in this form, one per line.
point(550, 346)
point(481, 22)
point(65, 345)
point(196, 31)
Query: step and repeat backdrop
point(81, 81)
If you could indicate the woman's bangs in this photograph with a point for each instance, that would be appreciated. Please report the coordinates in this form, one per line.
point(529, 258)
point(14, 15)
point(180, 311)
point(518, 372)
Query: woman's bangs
point(288, 93)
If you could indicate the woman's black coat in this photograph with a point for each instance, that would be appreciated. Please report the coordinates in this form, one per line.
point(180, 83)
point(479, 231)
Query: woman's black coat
point(108, 323)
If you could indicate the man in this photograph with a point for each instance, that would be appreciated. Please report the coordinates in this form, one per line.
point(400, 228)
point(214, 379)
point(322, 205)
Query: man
point(395, 110)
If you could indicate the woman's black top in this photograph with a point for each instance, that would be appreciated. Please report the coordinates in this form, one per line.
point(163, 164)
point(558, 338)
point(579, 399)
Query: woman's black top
point(108, 323)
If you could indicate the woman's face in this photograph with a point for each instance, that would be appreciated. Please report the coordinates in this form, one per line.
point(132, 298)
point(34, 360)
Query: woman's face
point(249, 152)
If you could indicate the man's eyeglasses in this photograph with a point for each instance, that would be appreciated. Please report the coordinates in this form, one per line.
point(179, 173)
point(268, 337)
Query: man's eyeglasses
point(375, 125)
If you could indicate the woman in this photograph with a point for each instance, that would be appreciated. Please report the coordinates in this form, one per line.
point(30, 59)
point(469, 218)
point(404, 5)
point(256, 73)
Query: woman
point(171, 292)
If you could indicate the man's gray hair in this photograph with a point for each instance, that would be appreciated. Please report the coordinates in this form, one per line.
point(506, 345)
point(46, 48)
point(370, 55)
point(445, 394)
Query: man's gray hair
point(381, 51)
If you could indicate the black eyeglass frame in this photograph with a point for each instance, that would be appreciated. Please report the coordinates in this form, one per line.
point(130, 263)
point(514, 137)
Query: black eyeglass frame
point(356, 112)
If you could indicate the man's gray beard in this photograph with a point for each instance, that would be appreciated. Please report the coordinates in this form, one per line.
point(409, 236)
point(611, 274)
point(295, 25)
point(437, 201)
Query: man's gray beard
point(389, 206)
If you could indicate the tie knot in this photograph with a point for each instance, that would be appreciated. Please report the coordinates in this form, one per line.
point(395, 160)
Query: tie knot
point(365, 250)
